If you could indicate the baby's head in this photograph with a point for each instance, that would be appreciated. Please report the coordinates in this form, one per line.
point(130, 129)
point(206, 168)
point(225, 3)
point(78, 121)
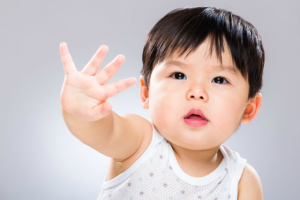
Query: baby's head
point(202, 58)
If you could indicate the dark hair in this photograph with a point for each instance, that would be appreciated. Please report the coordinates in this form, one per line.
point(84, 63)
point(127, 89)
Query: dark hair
point(185, 29)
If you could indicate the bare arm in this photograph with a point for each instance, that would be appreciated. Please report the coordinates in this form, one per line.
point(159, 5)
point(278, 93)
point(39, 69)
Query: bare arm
point(250, 187)
point(115, 136)
point(86, 112)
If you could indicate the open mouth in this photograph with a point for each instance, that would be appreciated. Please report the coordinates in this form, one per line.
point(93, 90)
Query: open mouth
point(195, 117)
point(195, 114)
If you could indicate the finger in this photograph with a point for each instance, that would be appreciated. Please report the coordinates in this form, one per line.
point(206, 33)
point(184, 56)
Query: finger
point(117, 87)
point(109, 70)
point(93, 65)
point(68, 64)
point(100, 111)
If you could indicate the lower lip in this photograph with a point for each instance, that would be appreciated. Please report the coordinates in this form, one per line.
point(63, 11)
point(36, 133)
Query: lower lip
point(195, 122)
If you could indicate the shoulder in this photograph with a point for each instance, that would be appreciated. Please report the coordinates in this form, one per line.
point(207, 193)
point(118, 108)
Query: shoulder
point(141, 124)
point(250, 185)
point(143, 129)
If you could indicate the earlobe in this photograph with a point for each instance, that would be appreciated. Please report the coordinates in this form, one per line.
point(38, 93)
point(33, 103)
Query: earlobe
point(144, 93)
point(252, 109)
point(146, 104)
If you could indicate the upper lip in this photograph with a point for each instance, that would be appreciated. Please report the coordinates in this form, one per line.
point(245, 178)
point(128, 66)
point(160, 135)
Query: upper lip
point(196, 112)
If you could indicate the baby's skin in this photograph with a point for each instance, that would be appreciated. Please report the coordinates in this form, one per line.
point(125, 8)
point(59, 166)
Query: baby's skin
point(84, 94)
point(178, 84)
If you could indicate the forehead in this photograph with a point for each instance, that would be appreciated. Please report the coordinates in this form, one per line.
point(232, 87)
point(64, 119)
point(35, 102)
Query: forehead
point(204, 55)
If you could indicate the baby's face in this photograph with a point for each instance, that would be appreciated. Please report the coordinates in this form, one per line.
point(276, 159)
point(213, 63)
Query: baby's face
point(198, 83)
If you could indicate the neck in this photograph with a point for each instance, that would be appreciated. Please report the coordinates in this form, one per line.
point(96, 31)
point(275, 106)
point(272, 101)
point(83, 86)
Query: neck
point(192, 160)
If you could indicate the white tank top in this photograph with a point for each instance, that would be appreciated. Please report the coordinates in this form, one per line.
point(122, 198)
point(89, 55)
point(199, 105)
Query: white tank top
point(157, 175)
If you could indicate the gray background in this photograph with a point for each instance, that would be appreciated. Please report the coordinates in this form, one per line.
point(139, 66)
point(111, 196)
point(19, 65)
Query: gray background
point(41, 159)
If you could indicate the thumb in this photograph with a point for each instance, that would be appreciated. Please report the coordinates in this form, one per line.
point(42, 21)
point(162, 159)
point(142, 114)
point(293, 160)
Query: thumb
point(102, 110)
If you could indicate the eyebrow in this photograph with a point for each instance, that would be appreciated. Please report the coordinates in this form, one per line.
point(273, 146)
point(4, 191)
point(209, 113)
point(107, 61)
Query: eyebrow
point(215, 67)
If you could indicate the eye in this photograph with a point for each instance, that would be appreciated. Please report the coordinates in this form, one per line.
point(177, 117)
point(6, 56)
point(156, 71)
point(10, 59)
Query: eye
point(220, 80)
point(178, 75)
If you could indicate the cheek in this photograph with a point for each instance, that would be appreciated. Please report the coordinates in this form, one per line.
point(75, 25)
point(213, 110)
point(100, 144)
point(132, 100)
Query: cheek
point(164, 106)
point(159, 108)
point(227, 114)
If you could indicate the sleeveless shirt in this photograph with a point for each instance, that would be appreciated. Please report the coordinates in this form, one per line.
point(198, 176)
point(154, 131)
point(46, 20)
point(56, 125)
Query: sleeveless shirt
point(157, 175)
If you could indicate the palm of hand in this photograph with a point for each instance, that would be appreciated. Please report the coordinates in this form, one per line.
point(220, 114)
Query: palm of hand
point(83, 93)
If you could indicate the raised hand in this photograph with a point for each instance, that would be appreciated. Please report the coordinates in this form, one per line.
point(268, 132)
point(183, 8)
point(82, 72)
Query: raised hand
point(83, 93)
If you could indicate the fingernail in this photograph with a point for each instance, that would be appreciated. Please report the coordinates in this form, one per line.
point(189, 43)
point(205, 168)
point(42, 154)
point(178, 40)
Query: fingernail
point(120, 58)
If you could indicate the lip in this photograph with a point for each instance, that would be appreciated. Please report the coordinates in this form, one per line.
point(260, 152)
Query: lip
point(196, 112)
point(195, 122)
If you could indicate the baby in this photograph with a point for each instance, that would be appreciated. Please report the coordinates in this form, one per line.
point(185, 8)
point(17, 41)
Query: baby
point(201, 77)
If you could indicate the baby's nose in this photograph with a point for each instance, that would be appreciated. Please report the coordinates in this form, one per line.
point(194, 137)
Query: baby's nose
point(197, 94)
point(193, 97)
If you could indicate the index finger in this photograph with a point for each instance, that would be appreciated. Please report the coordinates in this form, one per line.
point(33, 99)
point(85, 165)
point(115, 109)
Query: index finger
point(118, 86)
point(69, 66)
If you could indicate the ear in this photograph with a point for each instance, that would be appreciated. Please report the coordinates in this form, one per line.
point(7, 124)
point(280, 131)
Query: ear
point(144, 93)
point(252, 109)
